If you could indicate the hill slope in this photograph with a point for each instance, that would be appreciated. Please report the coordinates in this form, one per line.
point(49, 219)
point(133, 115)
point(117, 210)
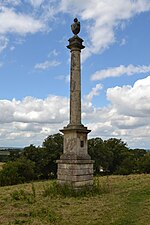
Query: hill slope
point(125, 201)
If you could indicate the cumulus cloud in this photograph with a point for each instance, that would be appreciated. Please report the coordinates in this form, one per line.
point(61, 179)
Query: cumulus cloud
point(103, 19)
point(119, 71)
point(127, 116)
point(47, 64)
point(132, 101)
point(12, 22)
point(31, 120)
point(34, 17)
point(50, 110)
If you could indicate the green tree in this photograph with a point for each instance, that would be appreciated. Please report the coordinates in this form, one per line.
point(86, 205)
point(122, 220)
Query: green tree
point(119, 152)
point(144, 163)
point(45, 157)
point(102, 156)
point(19, 171)
point(128, 164)
point(53, 144)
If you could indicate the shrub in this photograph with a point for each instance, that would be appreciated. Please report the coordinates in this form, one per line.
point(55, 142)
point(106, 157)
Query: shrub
point(16, 172)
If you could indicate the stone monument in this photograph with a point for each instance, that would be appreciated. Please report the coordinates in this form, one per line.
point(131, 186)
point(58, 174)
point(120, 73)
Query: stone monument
point(75, 166)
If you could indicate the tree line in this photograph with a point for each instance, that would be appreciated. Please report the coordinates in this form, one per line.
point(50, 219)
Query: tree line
point(110, 156)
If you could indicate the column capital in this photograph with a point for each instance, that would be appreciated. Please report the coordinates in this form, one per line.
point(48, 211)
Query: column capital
point(75, 42)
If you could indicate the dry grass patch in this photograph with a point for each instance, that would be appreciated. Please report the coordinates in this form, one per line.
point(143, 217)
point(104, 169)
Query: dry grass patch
point(126, 202)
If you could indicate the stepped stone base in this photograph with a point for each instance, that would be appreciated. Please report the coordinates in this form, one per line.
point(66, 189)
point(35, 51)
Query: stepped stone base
point(77, 173)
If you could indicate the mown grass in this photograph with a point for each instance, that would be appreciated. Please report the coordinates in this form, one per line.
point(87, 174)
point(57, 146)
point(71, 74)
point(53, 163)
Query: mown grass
point(122, 200)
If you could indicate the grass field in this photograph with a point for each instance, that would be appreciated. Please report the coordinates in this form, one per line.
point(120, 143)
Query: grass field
point(125, 200)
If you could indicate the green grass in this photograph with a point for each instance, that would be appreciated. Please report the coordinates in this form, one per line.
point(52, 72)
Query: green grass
point(123, 200)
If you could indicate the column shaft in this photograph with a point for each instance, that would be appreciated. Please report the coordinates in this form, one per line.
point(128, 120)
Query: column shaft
point(75, 88)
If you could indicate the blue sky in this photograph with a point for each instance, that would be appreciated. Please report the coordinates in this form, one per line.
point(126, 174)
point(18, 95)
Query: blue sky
point(35, 65)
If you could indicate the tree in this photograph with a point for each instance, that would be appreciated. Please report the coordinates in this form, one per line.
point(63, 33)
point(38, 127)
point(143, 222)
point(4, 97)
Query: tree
point(19, 171)
point(127, 165)
point(102, 156)
point(119, 152)
point(45, 157)
point(144, 163)
point(39, 157)
point(53, 144)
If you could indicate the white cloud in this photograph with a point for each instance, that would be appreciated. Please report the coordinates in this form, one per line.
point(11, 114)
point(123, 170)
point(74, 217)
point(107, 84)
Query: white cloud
point(132, 101)
point(102, 20)
point(36, 3)
point(10, 2)
point(119, 71)
point(93, 92)
point(12, 48)
point(127, 116)
point(103, 17)
point(25, 17)
point(47, 64)
point(3, 43)
point(32, 110)
point(123, 41)
point(31, 120)
point(54, 52)
point(12, 22)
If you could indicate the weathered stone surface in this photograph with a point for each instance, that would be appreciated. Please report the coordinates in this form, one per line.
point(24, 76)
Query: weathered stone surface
point(75, 165)
point(75, 142)
point(75, 171)
point(75, 27)
point(72, 164)
point(69, 172)
point(78, 184)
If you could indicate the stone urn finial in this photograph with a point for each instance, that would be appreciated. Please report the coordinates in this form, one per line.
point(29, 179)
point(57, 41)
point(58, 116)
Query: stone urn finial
point(75, 27)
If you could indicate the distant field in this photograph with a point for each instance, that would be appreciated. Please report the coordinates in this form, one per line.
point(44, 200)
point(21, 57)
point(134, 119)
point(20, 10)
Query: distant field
point(127, 202)
point(1, 165)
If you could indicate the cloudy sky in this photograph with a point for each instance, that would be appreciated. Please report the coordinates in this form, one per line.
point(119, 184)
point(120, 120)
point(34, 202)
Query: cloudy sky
point(34, 69)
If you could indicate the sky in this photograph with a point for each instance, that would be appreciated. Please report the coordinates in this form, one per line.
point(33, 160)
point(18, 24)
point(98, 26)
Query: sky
point(35, 68)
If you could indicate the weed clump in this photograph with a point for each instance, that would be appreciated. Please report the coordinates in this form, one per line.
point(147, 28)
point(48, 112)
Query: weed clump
point(66, 190)
point(29, 197)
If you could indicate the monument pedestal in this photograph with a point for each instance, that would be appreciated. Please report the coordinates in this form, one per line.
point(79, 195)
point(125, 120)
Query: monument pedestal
point(77, 173)
point(75, 166)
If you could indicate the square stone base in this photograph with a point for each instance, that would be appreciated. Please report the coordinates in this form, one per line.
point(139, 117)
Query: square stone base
point(77, 173)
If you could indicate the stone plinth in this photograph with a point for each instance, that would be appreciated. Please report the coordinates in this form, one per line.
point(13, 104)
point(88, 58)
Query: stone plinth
point(77, 173)
point(75, 166)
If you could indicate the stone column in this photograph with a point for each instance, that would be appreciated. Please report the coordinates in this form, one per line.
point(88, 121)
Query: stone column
point(75, 166)
point(75, 45)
